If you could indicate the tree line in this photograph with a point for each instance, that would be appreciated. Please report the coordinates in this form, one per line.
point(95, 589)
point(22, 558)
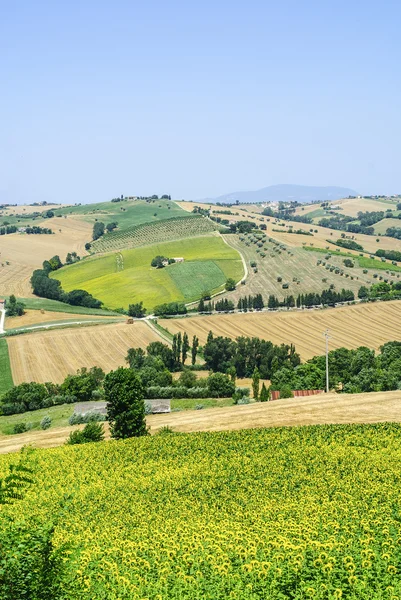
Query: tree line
point(350, 371)
point(47, 287)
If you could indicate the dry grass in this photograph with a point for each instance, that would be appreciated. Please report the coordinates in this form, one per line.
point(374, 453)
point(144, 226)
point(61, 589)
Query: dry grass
point(313, 410)
point(352, 206)
point(27, 252)
point(26, 209)
point(52, 355)
point(351, 326)
point(34, 317)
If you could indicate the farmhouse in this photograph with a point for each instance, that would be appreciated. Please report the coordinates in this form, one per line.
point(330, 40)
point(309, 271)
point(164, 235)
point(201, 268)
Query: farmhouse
point(178, 259)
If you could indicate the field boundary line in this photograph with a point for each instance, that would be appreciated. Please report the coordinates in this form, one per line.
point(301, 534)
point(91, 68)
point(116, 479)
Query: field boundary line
point(151, 325)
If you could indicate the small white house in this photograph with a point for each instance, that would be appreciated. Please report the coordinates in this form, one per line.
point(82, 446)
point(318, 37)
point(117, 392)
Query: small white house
point(179, 259)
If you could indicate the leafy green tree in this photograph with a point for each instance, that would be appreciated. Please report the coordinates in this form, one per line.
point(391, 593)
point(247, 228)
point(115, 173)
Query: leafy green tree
point(14, 308)
point(230, 284)
point(137, 310)
point(187, 379)
point(232, 373)
point(136, 358)
point(111, 226)
point(162, 351)
point(255, 384)
point(125, 404)
point(158, 261)
point(220, 385)
point(98, 230)
point(363, 292)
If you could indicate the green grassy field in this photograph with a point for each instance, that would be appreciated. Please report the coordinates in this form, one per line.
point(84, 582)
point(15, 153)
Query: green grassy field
point(6, 379)
point(58, 414)
point(384, 224)
point(364, 262)
point(125, 277)
point(126, 213)
point(56, 306)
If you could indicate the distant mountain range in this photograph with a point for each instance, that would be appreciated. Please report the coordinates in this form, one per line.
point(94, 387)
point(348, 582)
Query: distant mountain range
point(285, 192)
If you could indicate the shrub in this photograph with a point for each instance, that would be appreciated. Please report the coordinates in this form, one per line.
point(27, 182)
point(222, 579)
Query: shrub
point(286, 392)
point(92, 432)
point(88, 417)
point(45, 422)
point(165, 430)
point(20, 427)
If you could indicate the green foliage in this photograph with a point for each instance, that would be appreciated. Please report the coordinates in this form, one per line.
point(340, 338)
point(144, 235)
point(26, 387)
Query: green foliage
point(6, 380)
point(14, 308)
point(220, 385)
point(46, 422)
point(230, 284)
point(21, 427)
point(98, 230)
point(264, 394)
point(255, 383)
point(244, 354)
point(137, 310)
point(286, 392)
point(125, 404)
point(92, 432)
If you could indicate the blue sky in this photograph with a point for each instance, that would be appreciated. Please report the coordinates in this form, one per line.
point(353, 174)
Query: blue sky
point(197, 99)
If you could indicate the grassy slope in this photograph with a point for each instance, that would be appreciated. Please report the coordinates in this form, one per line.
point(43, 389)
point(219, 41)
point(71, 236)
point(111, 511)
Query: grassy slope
point(138, 281)
point(56, 306)
point(384, 224)
point(58, 414)
point(364, 261)
point(135, 212)
point(6, 380)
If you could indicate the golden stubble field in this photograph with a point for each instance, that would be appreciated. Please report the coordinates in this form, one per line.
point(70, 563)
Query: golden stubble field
point(35, 317)
point(368, 325)
point(24, 252)
point(313, 410)
point(52, 355)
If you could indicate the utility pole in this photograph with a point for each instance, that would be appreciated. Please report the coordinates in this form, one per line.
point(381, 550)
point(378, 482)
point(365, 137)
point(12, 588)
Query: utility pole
point(326, 335)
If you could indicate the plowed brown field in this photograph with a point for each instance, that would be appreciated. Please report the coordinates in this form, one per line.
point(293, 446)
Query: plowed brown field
point(350, 326)
point(51, 355)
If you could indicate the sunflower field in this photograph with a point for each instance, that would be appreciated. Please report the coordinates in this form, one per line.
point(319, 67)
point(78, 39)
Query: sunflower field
point(281, 513)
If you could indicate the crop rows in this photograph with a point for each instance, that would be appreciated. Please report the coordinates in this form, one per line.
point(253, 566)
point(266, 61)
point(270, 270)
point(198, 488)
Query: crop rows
point(368, 325)
point(152, 233)
point(297, 513)
point(52, 355)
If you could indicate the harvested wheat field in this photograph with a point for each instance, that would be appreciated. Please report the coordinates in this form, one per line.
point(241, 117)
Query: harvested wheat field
point(351, 326)
point(35, 317)
point(51, 355)
point(24, 252)
point(314, 410)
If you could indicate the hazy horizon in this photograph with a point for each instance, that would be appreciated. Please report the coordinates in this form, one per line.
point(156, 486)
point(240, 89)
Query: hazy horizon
point(197, 101)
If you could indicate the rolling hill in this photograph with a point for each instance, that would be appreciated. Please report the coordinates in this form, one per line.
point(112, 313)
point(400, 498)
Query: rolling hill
point(286, 193)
